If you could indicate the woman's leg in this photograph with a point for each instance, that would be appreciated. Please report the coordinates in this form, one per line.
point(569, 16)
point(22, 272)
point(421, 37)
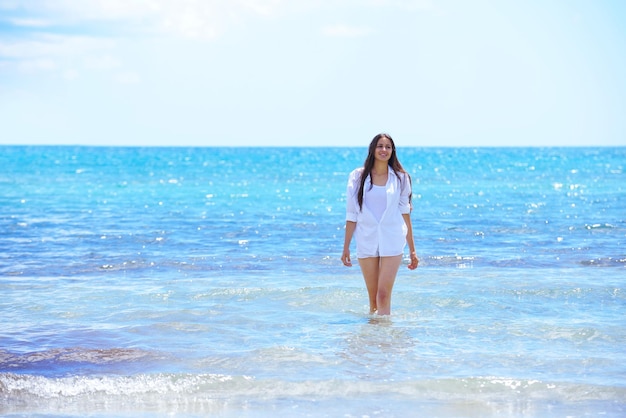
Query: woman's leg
point(386, 277)
point(380, 275)
point(370, 267)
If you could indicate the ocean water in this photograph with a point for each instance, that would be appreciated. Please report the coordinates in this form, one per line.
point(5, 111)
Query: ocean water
point(207, 282)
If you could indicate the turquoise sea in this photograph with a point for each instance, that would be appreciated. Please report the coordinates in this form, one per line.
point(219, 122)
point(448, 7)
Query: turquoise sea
point(207, 282)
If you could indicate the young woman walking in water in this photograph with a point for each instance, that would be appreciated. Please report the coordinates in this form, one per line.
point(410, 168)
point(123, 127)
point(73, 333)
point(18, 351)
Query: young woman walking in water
point(378, 214)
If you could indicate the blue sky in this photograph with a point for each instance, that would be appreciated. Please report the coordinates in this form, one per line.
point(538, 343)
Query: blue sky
point(313, 72)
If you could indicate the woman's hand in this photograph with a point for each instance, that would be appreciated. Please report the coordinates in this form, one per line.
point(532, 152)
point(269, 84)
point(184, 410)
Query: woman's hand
point(414, 261)
point(345, 258)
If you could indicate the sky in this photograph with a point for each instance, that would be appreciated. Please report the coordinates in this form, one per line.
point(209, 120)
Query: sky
point(313, 72)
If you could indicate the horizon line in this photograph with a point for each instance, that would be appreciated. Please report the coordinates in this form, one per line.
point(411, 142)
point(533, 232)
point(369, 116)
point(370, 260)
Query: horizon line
point(304, 146)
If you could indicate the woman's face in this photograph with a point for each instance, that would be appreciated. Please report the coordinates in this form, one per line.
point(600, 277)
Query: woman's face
point(384, 149)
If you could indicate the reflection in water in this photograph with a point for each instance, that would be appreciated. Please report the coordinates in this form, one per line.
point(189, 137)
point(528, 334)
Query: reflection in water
point(56, 362)
point(378, 349)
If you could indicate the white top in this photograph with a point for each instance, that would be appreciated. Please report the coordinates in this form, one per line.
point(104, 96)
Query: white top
point(376, 200)
point(384, 237)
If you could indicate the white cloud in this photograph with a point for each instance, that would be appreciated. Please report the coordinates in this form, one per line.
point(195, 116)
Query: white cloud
point(406, 4)
point(127, 78)
point(196, 19)
point(187, 18)
point(71, 74)
point(345, 31)
point(121, 21)
point(62, 55)
point(78, 10)
point(102, 62)
point(46, 48)
point(52, 45)
point(30, 23)
point(36, 65)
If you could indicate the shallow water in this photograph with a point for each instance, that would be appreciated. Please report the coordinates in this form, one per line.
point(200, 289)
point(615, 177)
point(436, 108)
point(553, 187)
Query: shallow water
point(175, 281)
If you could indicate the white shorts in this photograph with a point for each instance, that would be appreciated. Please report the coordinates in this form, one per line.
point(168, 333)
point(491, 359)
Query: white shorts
point(375, 255)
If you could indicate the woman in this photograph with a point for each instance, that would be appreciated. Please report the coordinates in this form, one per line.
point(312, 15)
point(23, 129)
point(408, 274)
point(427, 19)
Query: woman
point(379, 215)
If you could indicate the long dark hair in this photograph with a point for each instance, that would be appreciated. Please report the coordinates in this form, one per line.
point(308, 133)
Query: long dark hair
point(394, 163)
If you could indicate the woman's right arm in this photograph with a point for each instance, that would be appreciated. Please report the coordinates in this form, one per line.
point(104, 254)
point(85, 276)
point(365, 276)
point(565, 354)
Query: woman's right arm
point(345, 256)
point(351, 216)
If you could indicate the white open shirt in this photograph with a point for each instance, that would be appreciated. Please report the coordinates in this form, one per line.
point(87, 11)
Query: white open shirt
point(387, 237)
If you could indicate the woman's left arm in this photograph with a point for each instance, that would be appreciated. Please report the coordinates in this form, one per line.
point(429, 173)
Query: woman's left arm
point(405, 210)
point(409, 240)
